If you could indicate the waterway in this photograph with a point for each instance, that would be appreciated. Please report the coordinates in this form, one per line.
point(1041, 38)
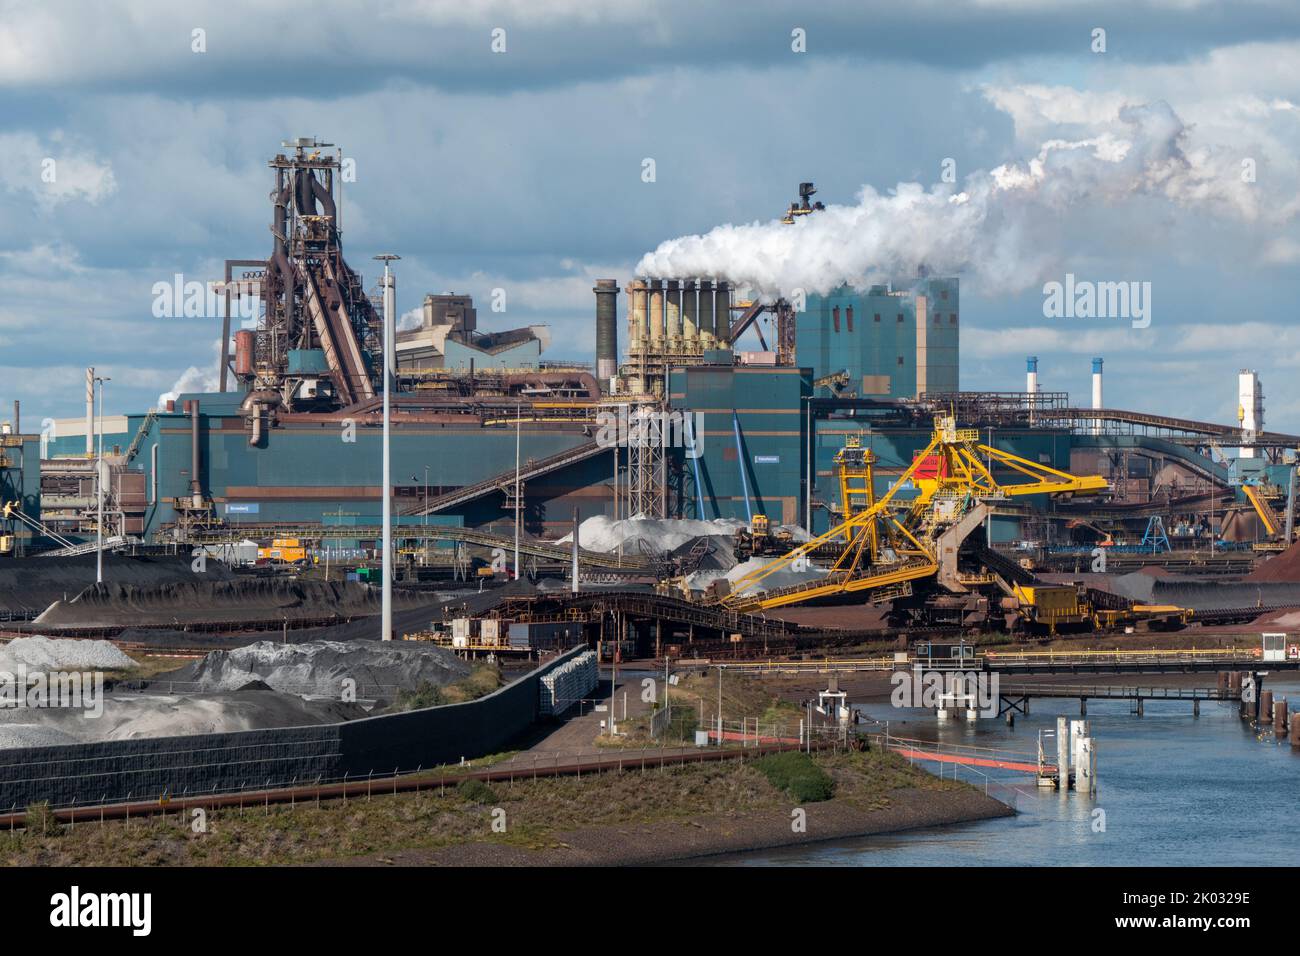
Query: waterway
point(1173, 790)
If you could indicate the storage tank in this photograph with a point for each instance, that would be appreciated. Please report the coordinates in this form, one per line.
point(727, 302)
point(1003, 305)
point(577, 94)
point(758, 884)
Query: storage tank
point(245, 339)
point(606, 330)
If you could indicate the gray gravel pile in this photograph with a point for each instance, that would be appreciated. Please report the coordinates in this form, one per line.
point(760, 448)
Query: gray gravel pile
point(378, 669)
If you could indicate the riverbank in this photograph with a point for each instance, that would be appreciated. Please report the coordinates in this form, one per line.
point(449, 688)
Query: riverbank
point(632, 816)
point(714, 835)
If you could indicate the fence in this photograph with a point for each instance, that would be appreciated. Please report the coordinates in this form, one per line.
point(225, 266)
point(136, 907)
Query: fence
point(152, 767)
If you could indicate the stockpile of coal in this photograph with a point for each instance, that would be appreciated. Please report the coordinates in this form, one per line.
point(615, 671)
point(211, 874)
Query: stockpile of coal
point(409, 616)
point(128, 715)
point(200, 599)
point(373, 668)
point(30, 585)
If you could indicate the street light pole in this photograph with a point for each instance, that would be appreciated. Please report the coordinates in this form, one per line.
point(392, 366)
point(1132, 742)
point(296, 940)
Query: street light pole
point(518, 425)
point(389, 291)
point(99, 484)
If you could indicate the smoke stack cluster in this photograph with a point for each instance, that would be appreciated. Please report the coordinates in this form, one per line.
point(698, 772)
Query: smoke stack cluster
point(677, 316)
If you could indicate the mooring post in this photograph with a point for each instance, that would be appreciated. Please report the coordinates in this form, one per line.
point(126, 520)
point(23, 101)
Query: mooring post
point(1265, 713)
point(1062, 754)
point(1196, 706)
point(1279, 717)
point(1083, 707)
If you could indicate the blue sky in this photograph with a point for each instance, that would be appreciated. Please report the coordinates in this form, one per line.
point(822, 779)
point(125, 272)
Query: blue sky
point(522, 170)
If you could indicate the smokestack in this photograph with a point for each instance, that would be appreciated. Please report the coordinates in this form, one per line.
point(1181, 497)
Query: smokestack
point(636, 315)
point(1031, 375)
point(17, 423)
point(707, 340)
point(690, 317)
point(606, 331)
point(1096, 393)
point(90, 412)
point(657, 314)
point(196, 488)
point(722, 314)
point(673, 315)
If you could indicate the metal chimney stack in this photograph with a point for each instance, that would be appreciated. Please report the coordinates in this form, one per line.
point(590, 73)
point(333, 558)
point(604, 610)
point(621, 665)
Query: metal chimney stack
point(1096, 394)
point(606, 331)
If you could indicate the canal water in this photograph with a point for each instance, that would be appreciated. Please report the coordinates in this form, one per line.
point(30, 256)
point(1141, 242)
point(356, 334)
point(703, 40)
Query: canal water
point(1173, 790)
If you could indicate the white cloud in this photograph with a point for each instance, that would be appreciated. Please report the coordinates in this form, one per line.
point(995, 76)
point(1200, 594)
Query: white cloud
point(53, 172)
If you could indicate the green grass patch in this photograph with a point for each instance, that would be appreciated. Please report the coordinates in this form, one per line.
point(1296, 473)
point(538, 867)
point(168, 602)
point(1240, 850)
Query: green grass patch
point(797, 774)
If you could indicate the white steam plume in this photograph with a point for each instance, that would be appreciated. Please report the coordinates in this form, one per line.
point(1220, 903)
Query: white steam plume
point(1002, 229)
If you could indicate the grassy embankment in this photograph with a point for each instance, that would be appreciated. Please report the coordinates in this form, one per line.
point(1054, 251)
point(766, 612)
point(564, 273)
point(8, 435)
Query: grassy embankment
point(538, 814)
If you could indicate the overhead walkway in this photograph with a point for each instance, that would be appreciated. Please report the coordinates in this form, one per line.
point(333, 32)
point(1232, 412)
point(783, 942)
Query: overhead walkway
point(505, 480)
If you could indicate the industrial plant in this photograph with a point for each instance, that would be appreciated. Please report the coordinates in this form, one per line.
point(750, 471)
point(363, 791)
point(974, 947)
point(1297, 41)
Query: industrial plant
point(744, 482)
point(494, 446)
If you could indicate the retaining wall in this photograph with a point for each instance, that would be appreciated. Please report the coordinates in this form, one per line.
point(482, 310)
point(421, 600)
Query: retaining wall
point(112, 771)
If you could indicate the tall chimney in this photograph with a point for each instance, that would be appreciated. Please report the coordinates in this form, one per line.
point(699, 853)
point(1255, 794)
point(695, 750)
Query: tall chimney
point(656, 315)
point(196, 488)
point(606, 331)
point(673, 315)
point(690, 317)
point(1031, 375)
point(1096, 393)
point(90, 412)
point(722, 314)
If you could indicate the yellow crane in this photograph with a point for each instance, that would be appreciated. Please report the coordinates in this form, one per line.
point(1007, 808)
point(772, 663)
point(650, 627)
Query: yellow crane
point(891, 541)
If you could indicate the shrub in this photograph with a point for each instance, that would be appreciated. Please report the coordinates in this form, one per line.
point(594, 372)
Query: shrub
point(797, 775)
point(39, 819)
point(476, 791)
point(427, 694)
